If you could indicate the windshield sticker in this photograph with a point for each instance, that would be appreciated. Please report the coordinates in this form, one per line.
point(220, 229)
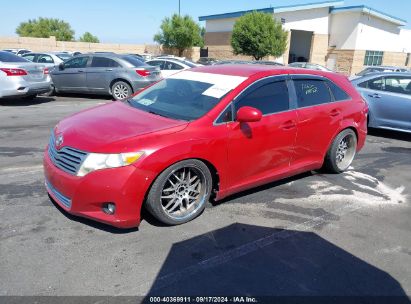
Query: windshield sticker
point(221, 84)
point(145, 102)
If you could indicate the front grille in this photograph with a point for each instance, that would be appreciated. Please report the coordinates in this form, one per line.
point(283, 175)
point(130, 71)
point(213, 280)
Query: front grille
point(67, 159)
point(60, 197)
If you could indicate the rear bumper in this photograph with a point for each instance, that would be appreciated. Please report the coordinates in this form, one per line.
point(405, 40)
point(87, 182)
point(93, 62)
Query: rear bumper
point(21, 88)
point(85, 196)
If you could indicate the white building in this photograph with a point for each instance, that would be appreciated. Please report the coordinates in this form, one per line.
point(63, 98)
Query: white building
point(343, 37)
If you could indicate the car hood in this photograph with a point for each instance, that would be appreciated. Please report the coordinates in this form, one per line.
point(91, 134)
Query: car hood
point(111, 128)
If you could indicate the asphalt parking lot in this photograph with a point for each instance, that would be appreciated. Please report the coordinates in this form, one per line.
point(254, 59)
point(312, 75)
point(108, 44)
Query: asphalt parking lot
point(314, 234)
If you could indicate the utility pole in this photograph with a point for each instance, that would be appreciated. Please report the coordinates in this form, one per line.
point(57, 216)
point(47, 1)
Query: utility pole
point(179, 7)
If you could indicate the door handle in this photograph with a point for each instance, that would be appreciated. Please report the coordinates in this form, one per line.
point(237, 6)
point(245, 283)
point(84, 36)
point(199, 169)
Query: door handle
point(288, 125)
point(335, 113)
point(109, 70)
point(80, 71)
point(375, 95)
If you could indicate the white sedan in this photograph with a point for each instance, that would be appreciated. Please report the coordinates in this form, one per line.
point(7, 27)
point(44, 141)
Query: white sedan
point(170, 66)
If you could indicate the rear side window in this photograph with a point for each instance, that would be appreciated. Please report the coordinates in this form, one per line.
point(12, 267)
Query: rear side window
point(311, 92)
point(101, 62)
point(157, 63)
point(172, 66)
point(373, 84)
point(269, 98)
point(339, 94)
point(29, 57)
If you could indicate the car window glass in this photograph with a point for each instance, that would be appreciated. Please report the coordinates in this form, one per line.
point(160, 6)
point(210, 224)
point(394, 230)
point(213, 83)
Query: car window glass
point(101, 62)
point(157, 63)
point(76, 63)
point(397, 84)
point(172, 66)
point(10, 57)
point(29, 57)
point(338, 93)
point(226, 116)
point(269, 98)
point(45, 59)
point(311, 92)
point(134, 60)
point(373, 84)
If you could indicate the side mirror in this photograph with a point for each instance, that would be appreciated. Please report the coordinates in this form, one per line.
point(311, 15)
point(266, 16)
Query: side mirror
point(61, 66)
point(249, 114)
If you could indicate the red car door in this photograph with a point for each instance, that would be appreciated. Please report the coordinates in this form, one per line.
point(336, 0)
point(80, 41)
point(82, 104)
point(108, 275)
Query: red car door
point(319, 118)
point(259, 150)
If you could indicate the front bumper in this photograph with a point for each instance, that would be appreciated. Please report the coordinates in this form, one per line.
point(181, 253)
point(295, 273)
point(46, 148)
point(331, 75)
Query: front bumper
point(85, 196)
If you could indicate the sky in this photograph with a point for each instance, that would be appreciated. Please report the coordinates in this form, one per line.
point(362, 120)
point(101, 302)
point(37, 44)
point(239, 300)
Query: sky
point(136, 21)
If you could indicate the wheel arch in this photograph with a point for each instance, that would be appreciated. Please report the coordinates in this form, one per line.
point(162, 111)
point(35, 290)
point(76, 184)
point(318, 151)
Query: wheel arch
point(120, 79)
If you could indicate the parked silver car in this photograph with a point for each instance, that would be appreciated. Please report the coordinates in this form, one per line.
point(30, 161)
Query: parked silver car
point(22, 78)
point(50, 60)
point(388, 96)
point(104, 73)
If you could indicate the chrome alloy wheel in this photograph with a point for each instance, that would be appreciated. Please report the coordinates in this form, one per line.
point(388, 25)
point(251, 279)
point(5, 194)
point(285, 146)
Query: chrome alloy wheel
point(346, 151)
point(120, 91)
point(184, 192)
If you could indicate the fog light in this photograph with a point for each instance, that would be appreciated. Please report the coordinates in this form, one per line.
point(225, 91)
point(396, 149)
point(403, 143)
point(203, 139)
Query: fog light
point(109, 208)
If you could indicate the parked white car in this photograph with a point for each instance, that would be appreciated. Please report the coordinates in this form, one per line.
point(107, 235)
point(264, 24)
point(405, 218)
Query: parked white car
point(22, 78)
point(50, 60)
point(18, 52)
point(169, 67)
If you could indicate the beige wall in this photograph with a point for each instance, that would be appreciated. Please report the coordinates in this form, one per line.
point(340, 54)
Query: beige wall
point(319, 49)
point(220, 38)
point(351, 62)
point(51, 45)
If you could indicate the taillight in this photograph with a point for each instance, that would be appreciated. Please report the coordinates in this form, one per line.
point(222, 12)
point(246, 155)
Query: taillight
point(14, 72)
point(143, 72)
point(46, 71)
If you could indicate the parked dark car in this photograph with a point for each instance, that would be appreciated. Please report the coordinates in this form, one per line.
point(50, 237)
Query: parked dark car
point(389, 99)
point(104, 73)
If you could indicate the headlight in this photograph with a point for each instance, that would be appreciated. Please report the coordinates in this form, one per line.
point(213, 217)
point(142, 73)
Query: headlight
point(95, 161)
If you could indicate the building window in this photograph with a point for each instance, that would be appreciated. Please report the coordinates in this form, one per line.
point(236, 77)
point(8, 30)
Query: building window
point(373, 58)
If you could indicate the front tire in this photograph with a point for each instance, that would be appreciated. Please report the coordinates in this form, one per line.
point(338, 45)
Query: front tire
point(180, 193)
point(342, 152)
point(121, 90)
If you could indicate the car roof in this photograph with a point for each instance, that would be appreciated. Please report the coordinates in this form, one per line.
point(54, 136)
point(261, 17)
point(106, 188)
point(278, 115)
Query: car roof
point(380, 74)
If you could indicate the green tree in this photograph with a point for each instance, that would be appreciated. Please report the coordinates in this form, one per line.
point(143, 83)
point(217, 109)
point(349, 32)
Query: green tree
point(179, 33)
point(46, 27)
point(88, 37)
point(259, 35)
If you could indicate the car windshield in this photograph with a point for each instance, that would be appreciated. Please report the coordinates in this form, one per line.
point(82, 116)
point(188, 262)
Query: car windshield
point(10, 57)
point(186, 95)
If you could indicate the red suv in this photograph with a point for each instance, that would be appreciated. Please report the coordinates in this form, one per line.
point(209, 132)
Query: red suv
point(209, 131)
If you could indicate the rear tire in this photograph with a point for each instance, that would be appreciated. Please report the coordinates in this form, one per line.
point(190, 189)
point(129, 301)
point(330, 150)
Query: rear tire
point(121, 90)
point(342, 152)
point(180, 193)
